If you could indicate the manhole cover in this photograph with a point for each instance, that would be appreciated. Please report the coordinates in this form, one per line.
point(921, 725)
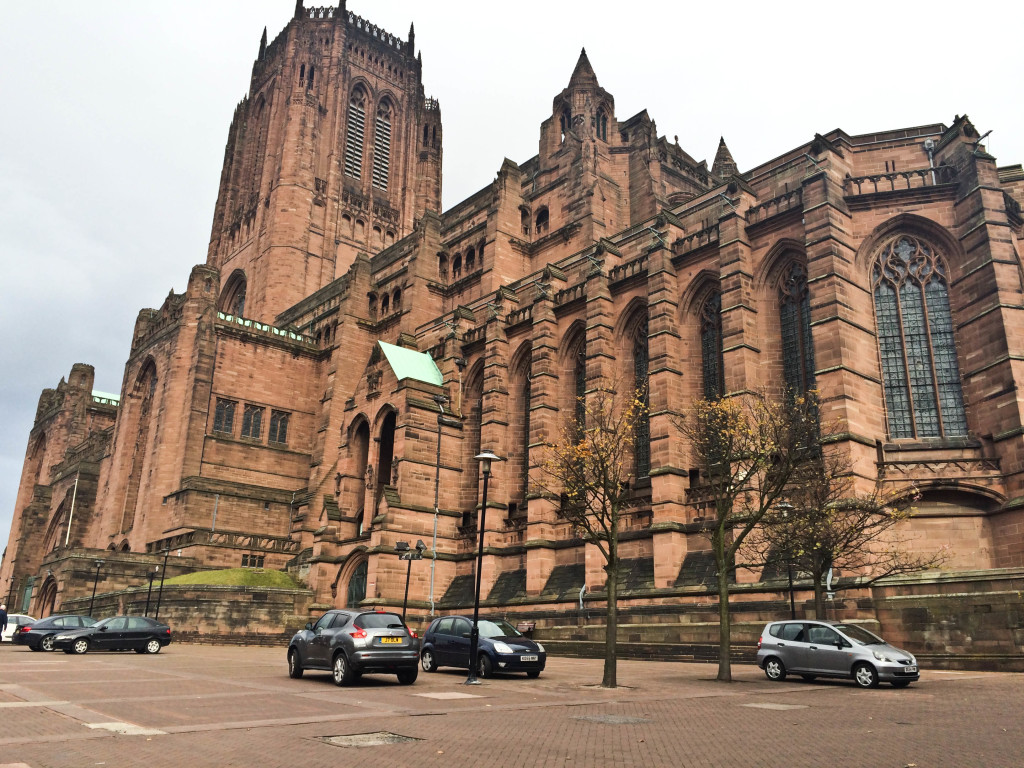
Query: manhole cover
point(377, 739)
point(613, 719)
point(780, 707)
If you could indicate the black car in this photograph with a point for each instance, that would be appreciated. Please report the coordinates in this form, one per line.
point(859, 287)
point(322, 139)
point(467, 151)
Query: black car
point(502, 647)
point(350, 643)
point(118, 633)
point(38, 636)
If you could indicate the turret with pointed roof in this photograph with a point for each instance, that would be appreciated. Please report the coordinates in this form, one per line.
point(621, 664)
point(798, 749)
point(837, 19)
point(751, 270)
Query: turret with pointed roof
point(724, 166)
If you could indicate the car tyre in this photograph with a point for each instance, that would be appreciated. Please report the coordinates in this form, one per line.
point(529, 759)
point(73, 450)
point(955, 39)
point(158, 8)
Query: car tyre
point(865, 676)
point(294, 664)
point(900, 683)
point(34, 648)
point(408, 676)
point(775, 670)
point(427, 661)
point(533, 674)
point(46, 644)
point(341, 670)
point(484, 668)
point(153, 646)
point(80, 646)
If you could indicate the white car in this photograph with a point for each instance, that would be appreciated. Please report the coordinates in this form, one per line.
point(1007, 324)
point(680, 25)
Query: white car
point(15, 620)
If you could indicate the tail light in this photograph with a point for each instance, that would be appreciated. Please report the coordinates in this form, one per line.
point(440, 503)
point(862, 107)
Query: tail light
point(168, 630)
point(24, 627)
point(759, 642)
point(412, 632)
point(358, 632)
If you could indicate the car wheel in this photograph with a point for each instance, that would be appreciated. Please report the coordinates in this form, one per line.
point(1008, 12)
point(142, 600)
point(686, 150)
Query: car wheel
point(809, 678)
point(46, 644)
point(865, 676)
point(80, 646)
point(342, 670)
point(153, 646)
point(408, 676)
point(34, 648)
point(900, 683)
point(775, 670)
point(533, 673)
point(484, 668)
point(427, 661)
point(294, 664)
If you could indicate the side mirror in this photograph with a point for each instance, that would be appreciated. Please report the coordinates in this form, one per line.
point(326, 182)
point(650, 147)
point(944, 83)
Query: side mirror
point(309, 625)
point(467, 635)
point(840, 643)
point(103, 629)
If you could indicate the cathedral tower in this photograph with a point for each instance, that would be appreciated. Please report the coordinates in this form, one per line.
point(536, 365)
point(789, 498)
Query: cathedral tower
point(334, 150)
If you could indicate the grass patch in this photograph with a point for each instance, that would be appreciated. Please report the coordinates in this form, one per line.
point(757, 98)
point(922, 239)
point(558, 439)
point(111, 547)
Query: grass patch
point(238, 577)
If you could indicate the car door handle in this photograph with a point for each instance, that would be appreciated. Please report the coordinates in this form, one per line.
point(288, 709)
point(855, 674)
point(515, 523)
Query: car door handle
point(814, 647)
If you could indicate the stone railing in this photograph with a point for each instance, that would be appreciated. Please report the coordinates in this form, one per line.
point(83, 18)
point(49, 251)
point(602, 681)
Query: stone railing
point(568, 295)
point(894, 181)
point(698, 239)
point(629, 269)
point(376, 32)
point(519, 316)
point(775, 206)
point(264, 329)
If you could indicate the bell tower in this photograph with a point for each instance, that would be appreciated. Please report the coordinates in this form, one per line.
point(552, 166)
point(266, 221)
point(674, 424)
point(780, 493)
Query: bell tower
point(334, 150)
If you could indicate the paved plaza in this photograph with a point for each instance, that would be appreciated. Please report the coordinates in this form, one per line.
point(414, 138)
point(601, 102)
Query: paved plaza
point(204, 705)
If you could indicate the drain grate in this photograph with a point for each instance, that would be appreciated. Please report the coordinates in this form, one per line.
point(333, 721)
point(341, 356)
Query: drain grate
point(613, 719)
point(378, 739)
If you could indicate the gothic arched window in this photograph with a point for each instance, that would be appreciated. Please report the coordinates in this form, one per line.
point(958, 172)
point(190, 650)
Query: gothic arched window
point(923, 396)
point(355, 131)
point(711, 347)
point(382, 146)
point(641, 371)
point(795, 317)
point(579, 373)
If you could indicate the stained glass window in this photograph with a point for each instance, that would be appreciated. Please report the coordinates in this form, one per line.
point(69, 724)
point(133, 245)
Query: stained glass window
point(923, 395)
point(642, 434)
point(795, 315)
point(580, 385)
point(711, 347)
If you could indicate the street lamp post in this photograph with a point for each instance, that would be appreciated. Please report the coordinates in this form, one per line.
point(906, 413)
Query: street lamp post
point(149, 592)
point(785, 507)
point(407, 554)
point(485, 458)
point(163, 573)
point(95, 581)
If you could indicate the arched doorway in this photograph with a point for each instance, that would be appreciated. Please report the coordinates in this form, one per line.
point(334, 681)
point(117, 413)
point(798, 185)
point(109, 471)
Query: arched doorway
point(47, 599)
point(356, 591)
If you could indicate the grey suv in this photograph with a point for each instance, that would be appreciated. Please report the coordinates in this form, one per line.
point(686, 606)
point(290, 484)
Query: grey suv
point(350, 643)
point(832, 649)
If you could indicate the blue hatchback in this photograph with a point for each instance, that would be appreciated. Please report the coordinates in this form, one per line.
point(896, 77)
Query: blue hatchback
point(502, 648)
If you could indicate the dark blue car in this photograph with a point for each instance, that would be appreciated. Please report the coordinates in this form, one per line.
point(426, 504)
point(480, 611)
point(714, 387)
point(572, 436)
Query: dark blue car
point(502, 648)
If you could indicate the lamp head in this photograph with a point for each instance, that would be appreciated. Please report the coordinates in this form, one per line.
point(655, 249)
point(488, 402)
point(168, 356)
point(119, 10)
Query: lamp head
point(401, 546)
point(98, 564)
point(485, 458)
point(420, 546)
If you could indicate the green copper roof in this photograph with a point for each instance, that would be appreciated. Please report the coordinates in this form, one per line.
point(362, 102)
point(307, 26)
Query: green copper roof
point(409, 364)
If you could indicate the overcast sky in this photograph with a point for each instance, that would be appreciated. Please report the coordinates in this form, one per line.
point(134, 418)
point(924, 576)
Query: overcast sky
point(116, 113)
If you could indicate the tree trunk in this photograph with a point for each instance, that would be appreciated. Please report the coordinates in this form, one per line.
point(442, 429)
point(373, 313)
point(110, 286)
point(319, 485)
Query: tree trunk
point(724, 627)
point(612, 623)
point(819, 599)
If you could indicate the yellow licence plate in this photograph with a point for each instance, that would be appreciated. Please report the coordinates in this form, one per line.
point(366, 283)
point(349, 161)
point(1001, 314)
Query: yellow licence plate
point(389, 640)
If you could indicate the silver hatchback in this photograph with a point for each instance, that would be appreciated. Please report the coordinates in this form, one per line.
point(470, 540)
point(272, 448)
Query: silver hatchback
point(832, 649)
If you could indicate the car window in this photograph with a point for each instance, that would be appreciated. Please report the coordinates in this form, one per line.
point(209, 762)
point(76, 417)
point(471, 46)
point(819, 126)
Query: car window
point(340, 620)
point(499, 628)
point(792, 631)
point(324, 621)
point(61, 621)
point(117, 623)
point(460, 627)
point(444, 626)
point(859, 634)
point(380, 621)
point(822, 635)
point(137, 623)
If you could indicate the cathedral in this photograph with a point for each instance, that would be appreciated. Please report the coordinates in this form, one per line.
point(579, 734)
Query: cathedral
point(318, 392)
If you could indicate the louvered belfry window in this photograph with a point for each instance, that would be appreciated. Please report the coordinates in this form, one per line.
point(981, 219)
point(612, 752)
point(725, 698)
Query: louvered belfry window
point(355, 133)
point(795, 315)
point(923, 394)
point(711, 347)
point(382, 146)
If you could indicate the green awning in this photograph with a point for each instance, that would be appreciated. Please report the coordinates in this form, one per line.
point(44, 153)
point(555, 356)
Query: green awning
point(410, 364)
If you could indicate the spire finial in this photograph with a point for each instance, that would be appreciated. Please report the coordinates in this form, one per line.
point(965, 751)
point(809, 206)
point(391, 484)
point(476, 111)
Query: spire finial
point(298, 9)
point(263, 43)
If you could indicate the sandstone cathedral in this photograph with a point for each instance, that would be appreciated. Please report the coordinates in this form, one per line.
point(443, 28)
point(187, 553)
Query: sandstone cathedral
point(319, 390)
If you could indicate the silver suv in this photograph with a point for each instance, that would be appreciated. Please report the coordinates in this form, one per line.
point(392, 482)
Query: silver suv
point(350, 643)
point(832, 649)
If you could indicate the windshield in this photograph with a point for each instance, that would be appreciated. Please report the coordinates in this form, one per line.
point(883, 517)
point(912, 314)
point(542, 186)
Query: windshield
point(380, 621)
point(498, 628)
point(859, 634)
point(105, 622)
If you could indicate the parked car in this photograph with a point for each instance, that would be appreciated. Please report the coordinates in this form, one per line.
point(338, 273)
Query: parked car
point(118, 633)
point(502, 648)
point(15, 621)
point(833, 649)
point(38, 636)
point(351, 643)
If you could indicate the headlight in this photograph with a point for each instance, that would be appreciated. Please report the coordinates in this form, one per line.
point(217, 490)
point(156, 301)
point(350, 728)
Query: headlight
point(880, 656)
point(501, 647)
point(540, 647)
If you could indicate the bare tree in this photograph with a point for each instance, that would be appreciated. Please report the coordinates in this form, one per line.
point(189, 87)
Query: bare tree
point(589, 470)
point(823, 524)
point(747, 449)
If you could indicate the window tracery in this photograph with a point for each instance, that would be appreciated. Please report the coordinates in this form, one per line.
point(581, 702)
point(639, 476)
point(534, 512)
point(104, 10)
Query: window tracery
point(711, 347)
point(795, 318)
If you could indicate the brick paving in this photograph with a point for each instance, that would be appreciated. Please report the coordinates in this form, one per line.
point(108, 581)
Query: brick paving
point(219, 706)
